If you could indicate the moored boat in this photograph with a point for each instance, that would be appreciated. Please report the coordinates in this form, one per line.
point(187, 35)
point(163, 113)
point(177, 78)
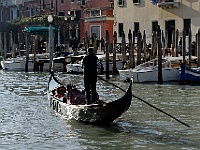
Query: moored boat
point(75, 65)
point(148, 72)
point(19, 63)
point(192, 75)
point(103, 112)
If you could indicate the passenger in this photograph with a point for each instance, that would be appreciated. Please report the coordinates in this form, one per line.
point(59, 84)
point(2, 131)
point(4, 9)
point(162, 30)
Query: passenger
point(57, 94)
point(74, 96)
point(67, 97)
point(60, 92)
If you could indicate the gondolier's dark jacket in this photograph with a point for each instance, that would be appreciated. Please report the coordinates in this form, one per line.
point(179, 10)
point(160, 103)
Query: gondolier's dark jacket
point(90, 67)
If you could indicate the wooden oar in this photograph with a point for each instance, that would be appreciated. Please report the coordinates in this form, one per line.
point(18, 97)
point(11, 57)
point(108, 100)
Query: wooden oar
point(146, 102)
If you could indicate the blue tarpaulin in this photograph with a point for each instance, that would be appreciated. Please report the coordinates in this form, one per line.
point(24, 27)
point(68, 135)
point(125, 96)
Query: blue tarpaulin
point(154, 2)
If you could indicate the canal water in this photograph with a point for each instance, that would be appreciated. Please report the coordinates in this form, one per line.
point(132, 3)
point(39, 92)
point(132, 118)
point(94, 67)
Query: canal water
point(27, 122)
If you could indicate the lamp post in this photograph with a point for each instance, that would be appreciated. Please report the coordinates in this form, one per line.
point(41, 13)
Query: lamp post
point(69, 18)
point(66, 46)
point(50, 20)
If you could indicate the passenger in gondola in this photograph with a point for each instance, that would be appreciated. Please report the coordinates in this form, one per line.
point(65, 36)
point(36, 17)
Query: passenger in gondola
point(74, 96)
point(60, 92)
point(90, 75)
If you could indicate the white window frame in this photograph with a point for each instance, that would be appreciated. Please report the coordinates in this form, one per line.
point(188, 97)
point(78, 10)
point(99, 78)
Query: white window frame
point(94, 13)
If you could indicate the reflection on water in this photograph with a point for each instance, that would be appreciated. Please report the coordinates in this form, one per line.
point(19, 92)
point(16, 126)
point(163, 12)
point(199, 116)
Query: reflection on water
point(27, 122)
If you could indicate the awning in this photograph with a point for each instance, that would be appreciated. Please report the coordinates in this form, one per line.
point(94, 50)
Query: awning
point(38, 30)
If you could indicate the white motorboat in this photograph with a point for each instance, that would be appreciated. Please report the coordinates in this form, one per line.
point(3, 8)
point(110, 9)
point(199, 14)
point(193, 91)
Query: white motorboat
point(18, 63)
point(148, 72)
point(14, 64)
point(75, 65)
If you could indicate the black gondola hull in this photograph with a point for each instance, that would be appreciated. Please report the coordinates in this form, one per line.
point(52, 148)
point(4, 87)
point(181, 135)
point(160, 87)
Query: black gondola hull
point(102, 113)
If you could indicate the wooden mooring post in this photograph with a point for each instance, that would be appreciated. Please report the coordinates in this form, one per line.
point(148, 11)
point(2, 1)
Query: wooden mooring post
point(153, 46)
point(176, 43)
point(27, 52)
point(107, 54)
point(198, 51)
point(5, 45)
point(131, 52)
point(139, 48)
point(123, 49)
point(173, 43)
point(182, 75)
point(160, 80)
point(144, 47)
point(1, 44)
point(95, 43)
point(133, 49)
point(190, 47)
point(114, 69)
point(86, 41)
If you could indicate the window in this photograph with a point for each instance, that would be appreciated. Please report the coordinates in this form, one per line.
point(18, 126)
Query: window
point(31, 12)
point(78, 14)
point(51, 4)
point(72, 1)
point(187, 25)
point(61, 13)
point(22, 12)
point(11, 14)
point(62, 1)
point(136, 28)
point(94, 13)
point(120, 2)
point(154, 26)
point(42, 5)
point(120, 29)
point(136, 1)
point(2, 16)
point(83, 2)
point(73, 13)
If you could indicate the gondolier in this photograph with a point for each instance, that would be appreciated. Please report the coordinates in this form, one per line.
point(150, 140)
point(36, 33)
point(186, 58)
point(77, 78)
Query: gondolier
point(90, 65)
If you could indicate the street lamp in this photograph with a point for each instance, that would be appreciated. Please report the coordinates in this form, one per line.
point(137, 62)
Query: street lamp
point(69, 18)
point(50, 20)
point(66, 46)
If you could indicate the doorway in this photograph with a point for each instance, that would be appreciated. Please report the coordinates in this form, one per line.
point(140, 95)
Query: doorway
point(95, 30)
point(169, 28)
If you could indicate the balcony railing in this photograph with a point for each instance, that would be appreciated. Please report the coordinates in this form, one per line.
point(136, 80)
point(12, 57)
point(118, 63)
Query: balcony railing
point(168, 3)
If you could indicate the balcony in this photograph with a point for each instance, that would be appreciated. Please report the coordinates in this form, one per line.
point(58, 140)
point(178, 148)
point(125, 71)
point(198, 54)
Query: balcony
point(168, 3)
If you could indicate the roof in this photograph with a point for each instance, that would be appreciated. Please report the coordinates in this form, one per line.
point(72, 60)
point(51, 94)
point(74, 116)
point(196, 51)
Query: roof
point(37, 30)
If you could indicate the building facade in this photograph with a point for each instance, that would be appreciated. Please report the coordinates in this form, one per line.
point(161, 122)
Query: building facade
point(170, 15)
point(91, 16)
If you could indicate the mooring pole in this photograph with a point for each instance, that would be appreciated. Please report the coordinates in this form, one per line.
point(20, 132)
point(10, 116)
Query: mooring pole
point(27, 52)
point(107, 55)
point(160, 80)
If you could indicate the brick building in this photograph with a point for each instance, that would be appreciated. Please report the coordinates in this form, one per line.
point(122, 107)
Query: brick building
point(93, 16)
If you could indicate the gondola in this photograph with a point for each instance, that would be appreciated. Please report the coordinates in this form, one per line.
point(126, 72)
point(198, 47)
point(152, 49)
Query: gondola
point(103, 112)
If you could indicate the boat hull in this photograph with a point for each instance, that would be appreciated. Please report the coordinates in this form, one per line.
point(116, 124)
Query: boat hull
point(192, 75)
point(102, 113)
point(20, 66)
point(150, 75)
point(77, 68)
point(74, 68)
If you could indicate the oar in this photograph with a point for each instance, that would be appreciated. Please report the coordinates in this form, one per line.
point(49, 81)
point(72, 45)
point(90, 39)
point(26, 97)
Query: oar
point(146, 102)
